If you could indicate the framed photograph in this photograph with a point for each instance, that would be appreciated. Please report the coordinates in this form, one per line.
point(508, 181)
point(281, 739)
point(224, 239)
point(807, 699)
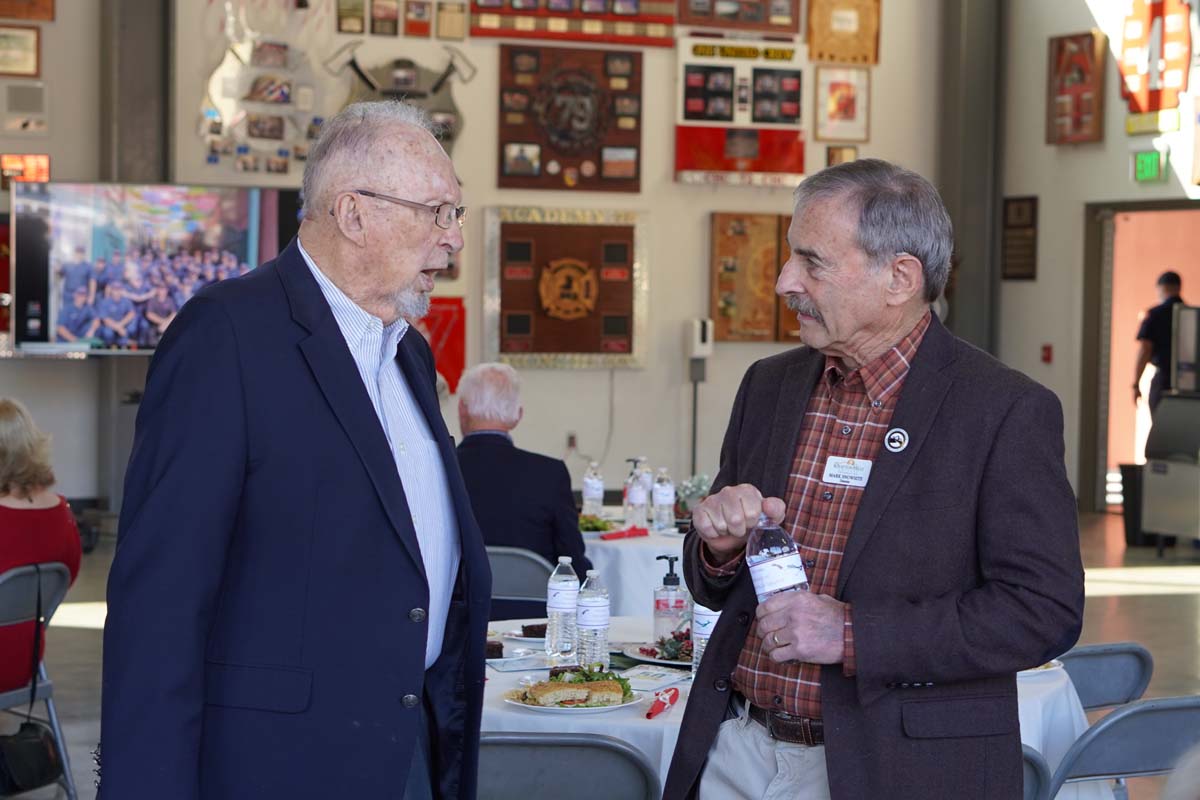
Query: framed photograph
point(626, 105)
point(843, 104)
point(514, 100)
point(626, 8)
point(843, 31)
point(1075, 88)
point(273, 55)
point(593, 6)
point(561, 6)
point(526, 61)
point(618, 162)
point(20, 51)
point(618, 65)
point(273, 89)
point(840, 154)
point(522, 159)
point(40, 10)
point(264, 126)
point(525, 5)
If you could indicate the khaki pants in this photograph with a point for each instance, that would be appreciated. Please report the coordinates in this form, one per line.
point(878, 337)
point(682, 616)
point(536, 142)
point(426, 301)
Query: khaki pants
point(745, 763)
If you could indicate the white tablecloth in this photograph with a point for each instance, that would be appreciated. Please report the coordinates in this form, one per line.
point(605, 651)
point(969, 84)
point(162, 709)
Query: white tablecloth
point(1050, 713)
point(630, 570)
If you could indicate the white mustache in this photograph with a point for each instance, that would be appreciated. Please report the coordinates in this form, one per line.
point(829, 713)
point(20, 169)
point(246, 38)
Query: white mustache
point(802, 306)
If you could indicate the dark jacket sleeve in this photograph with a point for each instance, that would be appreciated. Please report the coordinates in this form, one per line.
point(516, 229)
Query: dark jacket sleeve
point(1028, 606)
point(708, 590)
point(182, 493)
point(568, 541)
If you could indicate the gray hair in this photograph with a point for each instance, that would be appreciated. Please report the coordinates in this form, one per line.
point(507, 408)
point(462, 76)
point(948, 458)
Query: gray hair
point(348, 138)
point(898, 212)
point(492, 392)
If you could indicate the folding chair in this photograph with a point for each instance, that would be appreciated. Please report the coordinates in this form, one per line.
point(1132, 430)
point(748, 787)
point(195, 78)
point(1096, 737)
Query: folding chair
point(18, 603)
point(1037, 774)
point(521, 766)
point(1136, 740)
point(519, 580)
point(1109, 674)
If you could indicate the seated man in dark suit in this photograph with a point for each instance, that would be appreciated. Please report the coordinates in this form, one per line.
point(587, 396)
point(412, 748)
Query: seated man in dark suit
point(521, 499)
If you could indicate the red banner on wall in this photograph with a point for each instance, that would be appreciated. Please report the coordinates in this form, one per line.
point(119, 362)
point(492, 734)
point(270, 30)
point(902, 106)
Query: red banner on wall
point(445, 328)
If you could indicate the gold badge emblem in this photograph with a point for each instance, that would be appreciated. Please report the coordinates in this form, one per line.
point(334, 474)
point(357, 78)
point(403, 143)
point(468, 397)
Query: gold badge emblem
point(568, 289)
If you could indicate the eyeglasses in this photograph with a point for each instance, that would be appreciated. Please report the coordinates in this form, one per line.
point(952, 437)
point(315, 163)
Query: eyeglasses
point(443, 214)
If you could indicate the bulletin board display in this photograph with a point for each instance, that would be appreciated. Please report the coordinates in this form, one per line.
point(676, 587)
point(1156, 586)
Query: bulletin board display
point(739, 113)
point(565, 288)
point(766, 16)
point(748, 251)
point(1155, 59)
point(570, 119)
point(647, 23)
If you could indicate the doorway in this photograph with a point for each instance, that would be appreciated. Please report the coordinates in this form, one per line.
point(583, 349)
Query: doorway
point(1128, 246)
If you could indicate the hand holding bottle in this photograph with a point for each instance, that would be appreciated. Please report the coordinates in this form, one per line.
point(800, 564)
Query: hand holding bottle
point(724, 519)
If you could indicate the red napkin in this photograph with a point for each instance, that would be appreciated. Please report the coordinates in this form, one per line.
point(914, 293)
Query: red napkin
point(628, 533)
point(663, 701)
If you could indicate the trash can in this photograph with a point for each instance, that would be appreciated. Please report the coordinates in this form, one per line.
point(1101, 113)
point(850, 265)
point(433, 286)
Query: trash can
point(1131, 493)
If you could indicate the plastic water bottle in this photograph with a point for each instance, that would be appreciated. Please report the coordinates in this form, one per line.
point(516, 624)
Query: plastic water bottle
point(636, 498)
point(593, 622)
point(562, 592)
point(704, 621)
point(775, 561)
point(645, 475)
point(593, 491)
point(664, 501)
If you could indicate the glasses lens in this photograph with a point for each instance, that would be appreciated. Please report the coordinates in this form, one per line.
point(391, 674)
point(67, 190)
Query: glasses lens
point(461, 214)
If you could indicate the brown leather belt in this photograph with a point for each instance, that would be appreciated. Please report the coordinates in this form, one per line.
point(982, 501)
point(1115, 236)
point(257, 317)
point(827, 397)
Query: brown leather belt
point(786, 728)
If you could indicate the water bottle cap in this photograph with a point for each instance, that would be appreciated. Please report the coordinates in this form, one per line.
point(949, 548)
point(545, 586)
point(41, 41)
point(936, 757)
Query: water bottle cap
point(763, 520)
point(564, 559)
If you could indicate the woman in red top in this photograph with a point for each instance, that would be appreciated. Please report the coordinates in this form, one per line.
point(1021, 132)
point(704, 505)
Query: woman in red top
point(36, 525)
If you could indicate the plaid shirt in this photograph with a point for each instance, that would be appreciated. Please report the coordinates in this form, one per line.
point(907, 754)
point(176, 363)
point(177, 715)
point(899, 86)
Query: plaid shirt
point(847, 416)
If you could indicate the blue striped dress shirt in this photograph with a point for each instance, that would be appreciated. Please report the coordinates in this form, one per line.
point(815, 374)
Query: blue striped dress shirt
point(373, 346)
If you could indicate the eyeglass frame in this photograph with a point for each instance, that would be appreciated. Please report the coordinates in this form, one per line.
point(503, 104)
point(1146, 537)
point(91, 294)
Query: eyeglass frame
point(460, 212)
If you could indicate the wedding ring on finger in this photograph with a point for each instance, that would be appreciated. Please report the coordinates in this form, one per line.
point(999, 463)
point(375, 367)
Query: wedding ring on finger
point(775, 640)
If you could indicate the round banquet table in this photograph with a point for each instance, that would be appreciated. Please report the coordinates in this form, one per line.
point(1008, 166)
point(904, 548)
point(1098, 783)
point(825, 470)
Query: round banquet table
point(630, 570)
point(1050, 712)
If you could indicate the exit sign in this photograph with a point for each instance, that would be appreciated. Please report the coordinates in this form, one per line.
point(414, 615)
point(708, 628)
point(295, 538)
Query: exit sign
point(1149, 166)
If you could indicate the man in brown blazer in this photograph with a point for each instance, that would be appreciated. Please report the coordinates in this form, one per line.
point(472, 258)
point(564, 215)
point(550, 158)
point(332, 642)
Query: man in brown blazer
point(924, 483)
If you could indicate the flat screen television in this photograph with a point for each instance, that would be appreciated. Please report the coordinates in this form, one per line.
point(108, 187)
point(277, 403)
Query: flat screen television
point(104, 268)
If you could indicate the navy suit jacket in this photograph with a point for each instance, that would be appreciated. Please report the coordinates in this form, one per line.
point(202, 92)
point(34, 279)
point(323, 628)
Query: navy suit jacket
point(522, 499)
point(267, 603)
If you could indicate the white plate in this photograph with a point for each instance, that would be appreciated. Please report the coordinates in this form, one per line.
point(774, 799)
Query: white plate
point(1049, 666)
point(516, 636)
point(631, 650)
point(637, 698)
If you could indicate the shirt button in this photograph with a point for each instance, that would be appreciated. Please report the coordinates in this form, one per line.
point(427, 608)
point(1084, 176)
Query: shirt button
point(846, 430)
point(827, 496)
point(777, 700)
point(410, 701)
point(417, 615)
point(876, 404)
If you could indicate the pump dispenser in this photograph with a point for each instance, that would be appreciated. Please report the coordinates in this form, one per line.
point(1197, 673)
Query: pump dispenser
point(672, 605)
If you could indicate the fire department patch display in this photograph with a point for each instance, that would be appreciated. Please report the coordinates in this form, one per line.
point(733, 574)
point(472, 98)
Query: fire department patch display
point(766, 16)
point(739, 113)
point(564, 288)
point(570, 119)
point(629, 22)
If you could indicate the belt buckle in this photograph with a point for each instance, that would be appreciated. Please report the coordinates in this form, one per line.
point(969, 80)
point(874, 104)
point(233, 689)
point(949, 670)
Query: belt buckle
point(804, 723)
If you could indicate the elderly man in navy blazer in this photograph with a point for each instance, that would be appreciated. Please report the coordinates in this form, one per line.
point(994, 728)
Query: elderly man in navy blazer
point(298, 603)
point(521, 499)
point(924, 484)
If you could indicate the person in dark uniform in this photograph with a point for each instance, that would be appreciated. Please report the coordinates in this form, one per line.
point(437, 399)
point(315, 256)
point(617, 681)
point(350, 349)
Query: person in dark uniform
point(160, 311)
point(74, 275)
point(1154, 339)
point(77, 320)
point(117, 316)
point(97, 280)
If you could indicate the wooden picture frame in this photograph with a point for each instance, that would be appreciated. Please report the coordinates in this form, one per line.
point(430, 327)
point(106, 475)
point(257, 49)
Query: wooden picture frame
point(843, 104)
point(843, 31)
point(1075, 68)
point(39, 10)
point(20, 51)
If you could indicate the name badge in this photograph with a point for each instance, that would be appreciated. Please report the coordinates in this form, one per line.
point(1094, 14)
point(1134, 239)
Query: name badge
point(846, 471)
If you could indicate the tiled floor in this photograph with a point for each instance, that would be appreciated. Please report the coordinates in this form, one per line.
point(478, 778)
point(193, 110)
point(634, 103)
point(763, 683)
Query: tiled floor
point(1158, 606)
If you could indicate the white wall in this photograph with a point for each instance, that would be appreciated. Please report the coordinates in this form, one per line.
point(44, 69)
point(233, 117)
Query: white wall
point(653, 405)
point(63, 395)
point(1065, 178)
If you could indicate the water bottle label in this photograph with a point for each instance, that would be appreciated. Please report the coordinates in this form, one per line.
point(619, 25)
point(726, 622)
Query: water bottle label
point(637, 495)
point(561, 598)
point(593, 489)
point(703, 622)
point(774, 574)
point(593, 613)
point(664, 495)
point(666, 604)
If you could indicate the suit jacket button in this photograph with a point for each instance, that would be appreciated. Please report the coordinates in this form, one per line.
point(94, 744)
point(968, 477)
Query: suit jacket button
point(743, 618)
point(905, 685)
point(417, 615)
point(410, 700)
point(721, 685)
point(889, 685)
